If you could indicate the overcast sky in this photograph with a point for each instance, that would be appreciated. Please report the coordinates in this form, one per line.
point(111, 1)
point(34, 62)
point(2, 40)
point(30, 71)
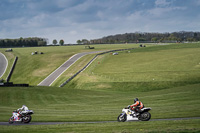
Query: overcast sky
point(72, 20)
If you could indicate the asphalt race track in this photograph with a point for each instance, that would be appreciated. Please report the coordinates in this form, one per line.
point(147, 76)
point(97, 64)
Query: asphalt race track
point(3, 64)
point(55, 123)
point(54, 75)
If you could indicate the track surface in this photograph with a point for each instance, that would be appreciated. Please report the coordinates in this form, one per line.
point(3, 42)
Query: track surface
point(3, 64)
point(55, 123)
point(54, 75)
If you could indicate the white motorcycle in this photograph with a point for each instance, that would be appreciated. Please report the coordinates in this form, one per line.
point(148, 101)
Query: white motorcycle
point(128, 115)
point(21, 117)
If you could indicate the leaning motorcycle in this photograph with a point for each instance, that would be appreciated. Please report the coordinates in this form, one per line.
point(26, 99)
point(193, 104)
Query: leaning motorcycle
point(24, 117)
point(128, 115)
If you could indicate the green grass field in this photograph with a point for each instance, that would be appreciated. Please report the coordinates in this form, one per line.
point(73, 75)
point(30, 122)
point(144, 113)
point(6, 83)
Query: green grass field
point(183, 126)
point(64, 104)
point(165, 78)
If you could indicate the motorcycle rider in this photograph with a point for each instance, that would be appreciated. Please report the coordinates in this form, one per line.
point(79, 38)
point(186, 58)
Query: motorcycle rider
point(20, 111)
point(137, 106)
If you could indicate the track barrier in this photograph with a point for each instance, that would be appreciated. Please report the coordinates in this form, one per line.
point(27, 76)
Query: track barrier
point(12, 69)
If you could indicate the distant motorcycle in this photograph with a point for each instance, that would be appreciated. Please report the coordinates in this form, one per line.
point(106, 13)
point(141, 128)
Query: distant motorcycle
point(24, 117)
point(127, 114)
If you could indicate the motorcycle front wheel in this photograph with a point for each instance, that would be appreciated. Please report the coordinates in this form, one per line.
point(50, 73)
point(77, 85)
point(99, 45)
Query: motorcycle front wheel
point(27, 119)
point(122, 118)
point(145, 116)
point(11, 120)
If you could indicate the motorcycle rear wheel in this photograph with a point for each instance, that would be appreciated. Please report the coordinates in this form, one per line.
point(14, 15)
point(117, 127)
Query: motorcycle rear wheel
point(145, 116)
point(11, 120)
point(122, 118)
point(27, 119)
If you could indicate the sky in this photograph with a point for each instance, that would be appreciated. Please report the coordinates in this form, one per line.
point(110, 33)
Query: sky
point(73, 20)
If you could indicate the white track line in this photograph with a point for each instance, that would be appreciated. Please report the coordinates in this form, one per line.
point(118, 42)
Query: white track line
point(6, 64)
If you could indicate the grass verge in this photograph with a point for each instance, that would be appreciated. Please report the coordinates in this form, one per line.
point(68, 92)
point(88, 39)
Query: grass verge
point(183, 126)
point(65, 104)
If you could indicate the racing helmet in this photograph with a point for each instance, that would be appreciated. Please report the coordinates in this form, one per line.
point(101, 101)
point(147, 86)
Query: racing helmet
point(136, 99)
point(23, 106)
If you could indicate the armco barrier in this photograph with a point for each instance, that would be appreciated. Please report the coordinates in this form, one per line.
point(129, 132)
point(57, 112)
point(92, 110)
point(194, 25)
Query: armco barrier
point(90, 63)
point(10, 84)
point(12, 69)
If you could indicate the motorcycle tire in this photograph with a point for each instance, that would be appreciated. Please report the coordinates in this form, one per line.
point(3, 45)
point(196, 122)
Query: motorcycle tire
point(145, 116)
point(27, 119)
point(11, 120)
point(123, 119)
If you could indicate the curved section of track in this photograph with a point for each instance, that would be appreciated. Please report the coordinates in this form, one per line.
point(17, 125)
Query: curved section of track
point(56, 123)
point(3, 64)
point(54, 75)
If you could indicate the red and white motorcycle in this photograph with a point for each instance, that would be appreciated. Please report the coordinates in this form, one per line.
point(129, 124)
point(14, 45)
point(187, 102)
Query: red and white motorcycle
point(24, 116)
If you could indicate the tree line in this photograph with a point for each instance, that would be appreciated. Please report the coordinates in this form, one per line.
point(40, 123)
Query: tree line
point(23, 42)
point(148, 37)
point(119, 38)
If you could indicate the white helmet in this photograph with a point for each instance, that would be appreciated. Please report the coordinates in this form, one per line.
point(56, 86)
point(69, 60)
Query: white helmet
point(23, 106)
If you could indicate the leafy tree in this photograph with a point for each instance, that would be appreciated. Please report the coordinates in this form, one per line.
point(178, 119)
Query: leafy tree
point(85, 41)
point(61, 42)
point(78, 41)
point(55, 42)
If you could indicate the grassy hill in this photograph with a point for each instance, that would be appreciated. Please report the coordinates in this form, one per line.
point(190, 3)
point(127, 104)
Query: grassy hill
point(143, 69)
point(32, 69)
point(165, 78)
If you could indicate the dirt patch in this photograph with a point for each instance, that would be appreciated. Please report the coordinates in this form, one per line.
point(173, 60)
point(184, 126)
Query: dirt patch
point(101, 86)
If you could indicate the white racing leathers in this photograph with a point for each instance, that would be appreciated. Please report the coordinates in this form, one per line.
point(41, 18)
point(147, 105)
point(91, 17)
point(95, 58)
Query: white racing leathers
point(22, 114)
point(24, 109)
